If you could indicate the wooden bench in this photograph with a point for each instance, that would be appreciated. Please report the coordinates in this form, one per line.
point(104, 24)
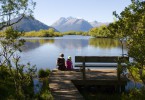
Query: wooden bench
point(100, 61)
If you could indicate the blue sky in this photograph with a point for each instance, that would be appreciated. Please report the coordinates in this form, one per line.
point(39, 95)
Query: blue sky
point(48, 11)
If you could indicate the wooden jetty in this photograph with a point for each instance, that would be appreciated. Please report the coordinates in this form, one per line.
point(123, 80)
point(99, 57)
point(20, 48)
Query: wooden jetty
point(62, 82)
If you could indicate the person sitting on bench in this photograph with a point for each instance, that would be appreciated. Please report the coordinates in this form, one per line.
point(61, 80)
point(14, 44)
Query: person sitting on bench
point(69, 64)
point(61, 62)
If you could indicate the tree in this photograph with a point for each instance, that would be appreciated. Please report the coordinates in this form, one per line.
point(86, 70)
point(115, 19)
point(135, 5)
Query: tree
point(10, 9)
point(15, 79)
point(131, 25)
point(101, 31)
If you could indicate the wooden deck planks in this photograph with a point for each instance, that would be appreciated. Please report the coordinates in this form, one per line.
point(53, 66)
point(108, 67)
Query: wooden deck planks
point(62, 87)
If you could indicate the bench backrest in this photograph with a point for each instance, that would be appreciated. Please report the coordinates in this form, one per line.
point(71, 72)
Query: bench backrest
point(100, 59)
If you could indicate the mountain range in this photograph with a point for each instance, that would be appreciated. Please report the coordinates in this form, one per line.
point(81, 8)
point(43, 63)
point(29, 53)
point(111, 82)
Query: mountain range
point(74, 24)
point(29, 24)
point(63, 24)
point(97, 24)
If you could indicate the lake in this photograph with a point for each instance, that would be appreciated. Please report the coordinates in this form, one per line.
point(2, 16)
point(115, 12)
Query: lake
point(43, 52)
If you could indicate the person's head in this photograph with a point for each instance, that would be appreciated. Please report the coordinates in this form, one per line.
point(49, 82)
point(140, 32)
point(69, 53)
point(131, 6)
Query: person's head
point(69, 57)
point(61, 55)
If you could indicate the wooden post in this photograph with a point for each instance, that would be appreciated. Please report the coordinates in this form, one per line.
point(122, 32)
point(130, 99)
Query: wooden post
point(118, 69)
point(122, 88)
point(83, 70)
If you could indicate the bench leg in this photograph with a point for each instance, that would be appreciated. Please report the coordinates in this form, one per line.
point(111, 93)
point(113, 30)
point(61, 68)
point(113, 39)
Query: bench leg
point(84, 73)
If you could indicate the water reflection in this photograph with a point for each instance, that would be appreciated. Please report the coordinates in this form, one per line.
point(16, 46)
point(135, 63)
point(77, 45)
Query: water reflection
point(104, 43)
point(71, 43)
point(40, 41)
point(31, 44)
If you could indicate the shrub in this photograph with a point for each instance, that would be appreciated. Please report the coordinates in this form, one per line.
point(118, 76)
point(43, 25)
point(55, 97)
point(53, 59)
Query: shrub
point(43, 73)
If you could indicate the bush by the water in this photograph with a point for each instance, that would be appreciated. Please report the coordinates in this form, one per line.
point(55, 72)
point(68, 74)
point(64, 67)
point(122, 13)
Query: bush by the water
point(75, 33)
point(43, 33)
point(43, 73)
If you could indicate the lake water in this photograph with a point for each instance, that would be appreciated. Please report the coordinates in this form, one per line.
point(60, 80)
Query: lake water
point(43, 52)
